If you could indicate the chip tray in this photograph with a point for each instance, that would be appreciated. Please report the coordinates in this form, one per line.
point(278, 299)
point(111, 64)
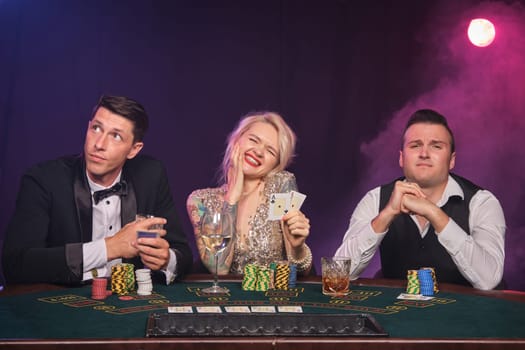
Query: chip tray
point(252, 325)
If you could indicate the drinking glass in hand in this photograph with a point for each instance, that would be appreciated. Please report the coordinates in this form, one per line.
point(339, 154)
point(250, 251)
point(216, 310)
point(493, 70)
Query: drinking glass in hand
point(216, 234)
point(140, 217)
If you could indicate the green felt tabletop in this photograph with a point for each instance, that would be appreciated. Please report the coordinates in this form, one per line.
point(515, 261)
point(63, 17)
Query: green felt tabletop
point(71, 313)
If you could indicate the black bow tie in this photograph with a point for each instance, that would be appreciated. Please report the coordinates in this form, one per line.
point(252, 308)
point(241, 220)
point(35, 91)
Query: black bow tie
point(119, 189)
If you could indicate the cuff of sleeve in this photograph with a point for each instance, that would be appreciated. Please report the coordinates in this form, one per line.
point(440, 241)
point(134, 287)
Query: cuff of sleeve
point(171, 269)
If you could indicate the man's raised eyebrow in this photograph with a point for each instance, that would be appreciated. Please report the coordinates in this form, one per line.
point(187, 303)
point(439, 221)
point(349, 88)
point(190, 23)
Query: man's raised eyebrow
point(117, 130)
point(96, 121)
point(100, 123)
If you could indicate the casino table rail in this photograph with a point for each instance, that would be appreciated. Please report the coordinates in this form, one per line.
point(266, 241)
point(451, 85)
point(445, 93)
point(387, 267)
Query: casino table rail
point(410, 325)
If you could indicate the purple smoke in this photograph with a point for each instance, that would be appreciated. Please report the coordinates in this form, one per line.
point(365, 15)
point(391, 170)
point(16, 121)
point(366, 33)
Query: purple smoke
point(481, 91)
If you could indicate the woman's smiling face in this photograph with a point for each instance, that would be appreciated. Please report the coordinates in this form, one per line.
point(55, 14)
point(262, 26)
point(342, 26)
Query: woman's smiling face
point(259, 147)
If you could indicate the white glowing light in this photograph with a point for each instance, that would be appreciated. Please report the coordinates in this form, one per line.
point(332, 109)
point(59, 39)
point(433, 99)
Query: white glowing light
point(481, 32)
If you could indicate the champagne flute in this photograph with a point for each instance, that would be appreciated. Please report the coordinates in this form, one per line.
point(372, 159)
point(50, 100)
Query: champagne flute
point(216, 234)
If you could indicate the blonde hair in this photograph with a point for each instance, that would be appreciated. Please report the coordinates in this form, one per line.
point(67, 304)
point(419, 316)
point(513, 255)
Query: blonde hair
point(285, 135)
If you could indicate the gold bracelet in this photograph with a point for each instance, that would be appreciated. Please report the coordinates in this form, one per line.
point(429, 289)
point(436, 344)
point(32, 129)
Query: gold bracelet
point(304, 263)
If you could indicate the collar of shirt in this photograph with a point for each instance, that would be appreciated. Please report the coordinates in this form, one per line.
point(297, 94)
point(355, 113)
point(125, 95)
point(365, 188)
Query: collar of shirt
point(452, 189)
point(96, 187)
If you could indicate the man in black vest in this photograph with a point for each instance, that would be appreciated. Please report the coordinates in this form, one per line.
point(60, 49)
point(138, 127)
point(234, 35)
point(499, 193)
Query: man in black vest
point(430, 217)
point(75, 216)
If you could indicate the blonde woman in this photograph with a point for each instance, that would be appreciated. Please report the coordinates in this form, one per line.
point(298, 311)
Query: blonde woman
point(258, 152)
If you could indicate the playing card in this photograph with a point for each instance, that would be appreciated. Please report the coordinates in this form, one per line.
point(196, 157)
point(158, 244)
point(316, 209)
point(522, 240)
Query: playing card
point(263, 309)
point(209, 309)
point(406, 296)
point(237, 309)
point(296, 200)
point(279, 205)
point(180, 309)
point(285, 308)
point(147, 234)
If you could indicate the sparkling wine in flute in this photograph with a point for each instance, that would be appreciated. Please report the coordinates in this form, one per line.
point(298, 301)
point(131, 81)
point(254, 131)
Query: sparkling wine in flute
point(216, 243)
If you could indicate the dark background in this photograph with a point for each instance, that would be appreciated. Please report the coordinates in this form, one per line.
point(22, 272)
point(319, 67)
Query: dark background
point(344, 74)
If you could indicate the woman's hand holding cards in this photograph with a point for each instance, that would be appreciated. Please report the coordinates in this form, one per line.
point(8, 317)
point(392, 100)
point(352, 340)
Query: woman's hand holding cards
point(296, 228)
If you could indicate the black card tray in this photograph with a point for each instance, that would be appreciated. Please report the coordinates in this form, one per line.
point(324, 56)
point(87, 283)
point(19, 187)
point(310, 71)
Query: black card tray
point(252, 325)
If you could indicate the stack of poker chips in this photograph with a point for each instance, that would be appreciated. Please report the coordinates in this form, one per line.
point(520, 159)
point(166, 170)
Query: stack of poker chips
point(422, 281)
point(279, 275)
point(273, 267)
point(426, 283)
point(250, 277)
point(263, 279)
point(434, 279)
point(99, 289)
point(413, 282)
point(292, 279)
point(144, 282)
point(282, 274)
point(272, 276)
point(122, 279)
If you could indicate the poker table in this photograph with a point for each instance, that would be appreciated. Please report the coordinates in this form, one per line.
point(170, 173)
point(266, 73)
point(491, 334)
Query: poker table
point(53, 317)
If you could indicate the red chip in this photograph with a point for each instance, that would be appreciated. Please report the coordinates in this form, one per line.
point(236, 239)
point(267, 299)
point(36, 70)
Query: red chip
point(126, 297)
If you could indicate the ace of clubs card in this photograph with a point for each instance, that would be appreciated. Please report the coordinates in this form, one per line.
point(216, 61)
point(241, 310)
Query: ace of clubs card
point(279, 205)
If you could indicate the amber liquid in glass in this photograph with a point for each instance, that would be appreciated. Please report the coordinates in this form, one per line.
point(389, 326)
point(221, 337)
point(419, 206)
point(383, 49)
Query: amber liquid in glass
point(336, 286)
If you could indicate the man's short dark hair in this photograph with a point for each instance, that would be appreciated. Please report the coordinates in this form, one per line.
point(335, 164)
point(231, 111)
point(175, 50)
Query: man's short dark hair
point(429, 116)
point(129, 109)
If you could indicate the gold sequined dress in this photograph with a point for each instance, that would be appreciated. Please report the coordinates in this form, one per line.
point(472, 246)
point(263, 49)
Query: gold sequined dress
point(264, 241)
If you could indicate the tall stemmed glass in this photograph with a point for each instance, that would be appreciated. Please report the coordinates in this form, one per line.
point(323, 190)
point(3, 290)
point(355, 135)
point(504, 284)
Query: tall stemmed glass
point(216, 234)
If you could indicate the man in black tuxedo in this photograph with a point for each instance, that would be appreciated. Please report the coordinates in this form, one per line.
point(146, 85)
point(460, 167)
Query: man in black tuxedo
point(75, 216)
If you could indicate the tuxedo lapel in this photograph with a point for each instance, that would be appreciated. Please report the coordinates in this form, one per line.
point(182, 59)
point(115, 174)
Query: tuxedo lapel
point(83, 202)
point(128, 203)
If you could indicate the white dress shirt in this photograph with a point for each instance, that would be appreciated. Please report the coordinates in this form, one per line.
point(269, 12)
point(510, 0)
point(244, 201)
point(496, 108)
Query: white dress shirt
point(106, 223)
point(479, 256)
